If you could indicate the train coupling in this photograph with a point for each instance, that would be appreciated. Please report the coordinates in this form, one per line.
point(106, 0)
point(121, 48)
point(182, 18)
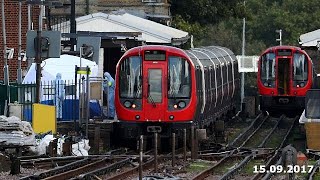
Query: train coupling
point(154, 129)
point(283, 100)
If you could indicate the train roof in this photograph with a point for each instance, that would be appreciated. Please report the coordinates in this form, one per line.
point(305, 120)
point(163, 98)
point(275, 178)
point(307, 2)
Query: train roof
point(273, 48)
point(211, 52)
point(214, 54)
point(281, 47)
point(156, 47)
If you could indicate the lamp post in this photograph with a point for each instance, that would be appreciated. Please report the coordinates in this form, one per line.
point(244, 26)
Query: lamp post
point(242, 61)
point(280, 36)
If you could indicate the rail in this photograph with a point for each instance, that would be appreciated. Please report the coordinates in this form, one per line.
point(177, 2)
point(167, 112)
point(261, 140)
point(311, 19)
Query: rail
point(275, 158)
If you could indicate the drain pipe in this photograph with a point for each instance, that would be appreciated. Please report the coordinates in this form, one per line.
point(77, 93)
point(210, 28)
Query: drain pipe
point(6, 71)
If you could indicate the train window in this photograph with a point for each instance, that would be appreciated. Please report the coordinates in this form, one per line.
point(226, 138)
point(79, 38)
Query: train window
point(268, 69)
point(131, 78)
point(300, 67)
point(284, 52)
point(229, 71)
point(155, 85)
point(154, 55)
point(179, 80)
point(219, 79)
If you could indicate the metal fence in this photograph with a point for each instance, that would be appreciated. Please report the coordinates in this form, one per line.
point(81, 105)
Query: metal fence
point(59, 23)
point(73, 98)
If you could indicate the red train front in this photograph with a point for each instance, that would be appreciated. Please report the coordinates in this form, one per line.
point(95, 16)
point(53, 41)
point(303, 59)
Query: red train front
point(143, 77)
point(163, 88)
point(285, 74)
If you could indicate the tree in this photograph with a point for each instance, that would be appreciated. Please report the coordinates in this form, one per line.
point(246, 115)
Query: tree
point(207, 11)
point(293, 17)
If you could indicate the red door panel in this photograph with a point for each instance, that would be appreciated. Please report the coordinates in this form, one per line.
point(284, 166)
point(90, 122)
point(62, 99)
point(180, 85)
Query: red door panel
point(154, 99)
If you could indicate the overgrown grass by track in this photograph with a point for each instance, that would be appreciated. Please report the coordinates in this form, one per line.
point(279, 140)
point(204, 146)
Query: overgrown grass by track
point(305, 175)
point(261, 133)
point(235, 128)
point(198, 166)
point(276, 138)
point(249, 168)
point(226, 166)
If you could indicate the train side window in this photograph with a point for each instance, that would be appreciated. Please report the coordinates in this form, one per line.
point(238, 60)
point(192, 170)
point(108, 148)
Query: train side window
point(218, 73)
point(224, 73)
point(211, 77)
point(199, 82)
point(229, 71)
point(197, 77)
point(213, 81)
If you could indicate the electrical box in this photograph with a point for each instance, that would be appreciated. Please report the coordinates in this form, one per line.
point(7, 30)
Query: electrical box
point(50, 44)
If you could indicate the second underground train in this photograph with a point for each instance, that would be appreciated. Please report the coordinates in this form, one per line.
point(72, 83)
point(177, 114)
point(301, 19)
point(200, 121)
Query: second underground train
point(285, 74)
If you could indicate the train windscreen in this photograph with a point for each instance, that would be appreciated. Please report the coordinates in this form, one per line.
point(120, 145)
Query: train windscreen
point(268, 69)
point(300, 70)
point(131, 78)
point(179, 78)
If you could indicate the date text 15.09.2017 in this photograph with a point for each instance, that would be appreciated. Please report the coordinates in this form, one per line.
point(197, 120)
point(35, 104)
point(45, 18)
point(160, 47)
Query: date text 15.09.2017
point(282, 169)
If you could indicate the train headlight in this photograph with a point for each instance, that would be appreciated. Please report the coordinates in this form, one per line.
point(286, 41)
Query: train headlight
point(182, 104)
point(302, 84)
point(266, 84)
point(133, 106)
point(127, 104)
point(171, 117)
point(175, 106)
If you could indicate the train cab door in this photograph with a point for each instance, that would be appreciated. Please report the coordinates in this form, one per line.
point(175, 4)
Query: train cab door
point(154, 90)
point(283, 76)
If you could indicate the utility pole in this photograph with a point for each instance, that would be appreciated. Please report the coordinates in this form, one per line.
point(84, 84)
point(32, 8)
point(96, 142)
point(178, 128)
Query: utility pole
point(280, 36)
point(242, 61)
point(73, 24)
point(38, 54)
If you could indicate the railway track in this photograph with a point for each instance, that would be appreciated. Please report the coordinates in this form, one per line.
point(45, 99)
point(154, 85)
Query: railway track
point(276, 159)
point(88, 166)
point(235, 165)
point(238, 155)
point(247, 133)
point(315, 170)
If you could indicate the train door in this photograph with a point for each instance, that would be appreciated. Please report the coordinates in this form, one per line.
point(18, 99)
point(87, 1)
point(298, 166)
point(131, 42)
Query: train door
point(283, 76)
point(154, 98)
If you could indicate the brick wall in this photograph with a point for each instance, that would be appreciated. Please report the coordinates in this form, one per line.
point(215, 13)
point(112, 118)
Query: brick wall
point(161, 7)
point(12, 25)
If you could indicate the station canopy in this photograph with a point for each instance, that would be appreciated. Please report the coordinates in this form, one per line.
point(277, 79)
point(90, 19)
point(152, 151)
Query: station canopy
point(121, 21)
point(310, 39)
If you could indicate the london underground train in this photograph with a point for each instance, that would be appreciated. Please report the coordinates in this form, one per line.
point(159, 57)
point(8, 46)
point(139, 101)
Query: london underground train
point(285, 74)
point(162, 88)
